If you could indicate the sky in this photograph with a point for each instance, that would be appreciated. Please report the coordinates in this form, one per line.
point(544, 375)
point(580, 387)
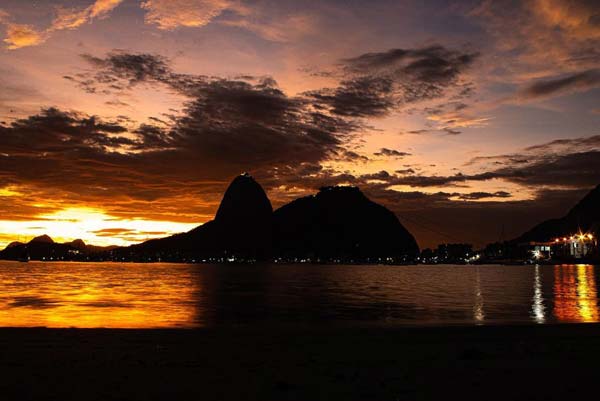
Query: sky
point(124, 120)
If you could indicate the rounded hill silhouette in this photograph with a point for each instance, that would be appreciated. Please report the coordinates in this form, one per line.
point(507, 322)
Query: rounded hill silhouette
point(340, 223)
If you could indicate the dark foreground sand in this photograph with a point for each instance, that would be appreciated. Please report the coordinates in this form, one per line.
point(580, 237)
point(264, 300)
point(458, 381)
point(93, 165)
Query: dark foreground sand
point(480, 363)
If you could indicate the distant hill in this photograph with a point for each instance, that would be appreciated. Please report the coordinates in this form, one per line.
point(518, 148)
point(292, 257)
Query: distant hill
point(340, 222)
point(44, 248)
point(584, 216)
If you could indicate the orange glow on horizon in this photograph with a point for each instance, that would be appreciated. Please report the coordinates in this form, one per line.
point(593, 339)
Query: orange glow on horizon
point(92, 225)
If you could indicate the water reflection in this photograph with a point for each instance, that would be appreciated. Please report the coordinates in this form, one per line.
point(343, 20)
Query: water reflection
point(575, 295)
point(538, 309)
point(96, 295)
point(171, 295)
point(478, 313)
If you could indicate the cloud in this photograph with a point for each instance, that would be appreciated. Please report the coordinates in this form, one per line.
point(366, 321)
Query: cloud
point(571, 145)
point(574, 82)
point(258, 18)
point(483, 195)
point(571, 162)
point(451, 131)
point(171, 14)
point(68, 18)
point(275, 28)
point(391, 153)
point(18, 35)
point(434, 64)
point(539, 38)
point(101, 8)
point(359, 97)
point(449, 121)
point(568, 170)
point(374, 84)
point(122, 70)
point(565, 163)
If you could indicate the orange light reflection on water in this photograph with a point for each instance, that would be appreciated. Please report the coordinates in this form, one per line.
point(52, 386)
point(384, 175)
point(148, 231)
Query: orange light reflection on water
point(575, 294)
point(82, 295)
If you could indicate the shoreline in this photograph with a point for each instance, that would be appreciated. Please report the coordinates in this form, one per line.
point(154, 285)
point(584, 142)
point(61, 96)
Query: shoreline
point(501, 362)
point(595, 262)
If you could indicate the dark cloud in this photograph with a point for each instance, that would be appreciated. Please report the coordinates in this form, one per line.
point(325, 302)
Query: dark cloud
point(429, 64)
point(579, 81)
point(391, 153)
point(349, 155)
point(444, 130)
point(570, 170)
point(574, 170)
point(451, 131)
point(359, 97)
point(484, 195)
point(131, 68)
point(98, 160)
point(375, 84)
point(572, 144)
point(574, 166)
point(381, 175)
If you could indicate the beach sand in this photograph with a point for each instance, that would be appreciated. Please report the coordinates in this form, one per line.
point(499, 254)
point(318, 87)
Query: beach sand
point(427, 363)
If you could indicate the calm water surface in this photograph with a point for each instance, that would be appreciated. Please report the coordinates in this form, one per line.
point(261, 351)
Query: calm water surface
point(176, 295)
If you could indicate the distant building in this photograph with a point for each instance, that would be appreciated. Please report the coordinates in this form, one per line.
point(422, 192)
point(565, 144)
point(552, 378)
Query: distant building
point(540, 250)
point(577, 246)
point(448, 253)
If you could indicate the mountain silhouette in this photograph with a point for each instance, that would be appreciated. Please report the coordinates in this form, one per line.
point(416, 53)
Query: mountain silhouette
point(78, 244)
point(45, 239)
point(44, 248)
point(244, 203)
point(340, 223)
point(241, 229)
point(584, 216)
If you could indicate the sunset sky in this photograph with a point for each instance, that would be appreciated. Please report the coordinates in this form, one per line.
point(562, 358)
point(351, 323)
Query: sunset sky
point(123, 120)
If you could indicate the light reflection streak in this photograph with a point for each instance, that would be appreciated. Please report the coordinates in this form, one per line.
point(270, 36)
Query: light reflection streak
point(586, 293)
point(478, 313)
point(538, 307)
point(575, 293)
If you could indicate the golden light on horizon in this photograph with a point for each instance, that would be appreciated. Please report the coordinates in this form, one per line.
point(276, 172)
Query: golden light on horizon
point(92, 225)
